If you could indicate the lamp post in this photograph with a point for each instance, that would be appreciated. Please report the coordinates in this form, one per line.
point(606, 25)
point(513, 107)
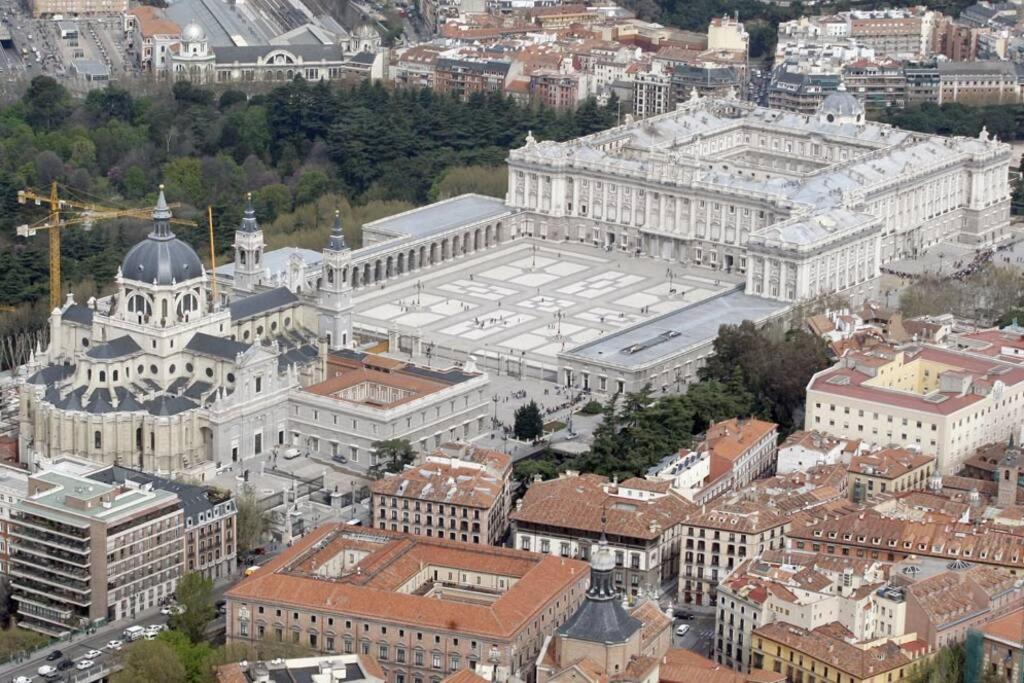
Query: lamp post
point(494, 420)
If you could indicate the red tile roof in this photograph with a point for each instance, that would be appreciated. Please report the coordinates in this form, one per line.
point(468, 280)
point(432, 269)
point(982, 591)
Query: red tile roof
point(587, 502)
point(370, 591)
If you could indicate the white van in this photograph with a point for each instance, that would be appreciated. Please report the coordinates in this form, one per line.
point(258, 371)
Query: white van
point(133, 633)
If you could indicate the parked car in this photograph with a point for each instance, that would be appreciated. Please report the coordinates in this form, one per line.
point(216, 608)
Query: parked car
point(54, 656)
point(339, 458)
point(683, 614)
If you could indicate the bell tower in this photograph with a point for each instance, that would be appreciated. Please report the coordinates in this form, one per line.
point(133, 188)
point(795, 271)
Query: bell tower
point(248, 251)
point(335, 292)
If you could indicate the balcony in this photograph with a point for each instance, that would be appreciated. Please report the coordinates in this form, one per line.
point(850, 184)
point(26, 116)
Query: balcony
point(21, 585)
point(39, 535)
point(45, 551)
point(40, 626)
point(29, 559)
point(18, 569)
point(49, 526)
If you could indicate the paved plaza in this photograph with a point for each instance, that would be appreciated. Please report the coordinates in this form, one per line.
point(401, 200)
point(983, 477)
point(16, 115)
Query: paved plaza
point(532, 299)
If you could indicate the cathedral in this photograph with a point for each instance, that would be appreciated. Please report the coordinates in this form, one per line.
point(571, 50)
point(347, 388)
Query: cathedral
point(163, 375)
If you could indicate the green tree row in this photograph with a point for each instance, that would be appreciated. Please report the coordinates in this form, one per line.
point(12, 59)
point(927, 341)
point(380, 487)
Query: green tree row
point(366, 146)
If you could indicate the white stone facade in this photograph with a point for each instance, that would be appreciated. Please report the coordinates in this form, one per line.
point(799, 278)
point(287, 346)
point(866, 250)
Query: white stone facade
point(803, 205)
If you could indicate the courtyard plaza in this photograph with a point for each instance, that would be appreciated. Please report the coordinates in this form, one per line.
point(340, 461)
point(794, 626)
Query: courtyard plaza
point(515, 308)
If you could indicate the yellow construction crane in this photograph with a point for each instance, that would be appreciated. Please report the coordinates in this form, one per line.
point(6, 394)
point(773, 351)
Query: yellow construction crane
point(89, 214)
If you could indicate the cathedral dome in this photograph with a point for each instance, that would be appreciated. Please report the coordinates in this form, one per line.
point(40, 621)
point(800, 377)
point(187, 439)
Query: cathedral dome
point(841, 106)
point(193, 33)
point(161, 258)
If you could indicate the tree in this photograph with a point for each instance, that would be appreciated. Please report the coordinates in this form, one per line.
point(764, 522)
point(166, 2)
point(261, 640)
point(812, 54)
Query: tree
point(196, 658)
point(16, 641)
point(150, 661)
point(529, 424)
point(47, 103)
point(195, 596)
point(250, 521)
point(391, 455)
point(491, 181)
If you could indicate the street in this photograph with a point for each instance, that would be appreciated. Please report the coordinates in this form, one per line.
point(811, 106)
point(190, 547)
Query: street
point(700, 637)
point(98, 640)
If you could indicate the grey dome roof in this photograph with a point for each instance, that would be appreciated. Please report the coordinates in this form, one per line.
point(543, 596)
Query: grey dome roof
point(161, 258)
point(841, 103)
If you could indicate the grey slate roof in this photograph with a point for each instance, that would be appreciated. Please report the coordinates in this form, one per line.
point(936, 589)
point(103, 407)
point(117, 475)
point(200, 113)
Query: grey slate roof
point(249, 54)
point(52, 374)
point(273, 299)
point(440, 216)
point(126, 401)
point(73, 401)
point(115, 348)
point(217, 347)
point(600, 621)
point(197, 389)
point(100, 402)
point(78, 314)
point(366, 58)
point(297, 356)
point(676, 331)
point(169, 405)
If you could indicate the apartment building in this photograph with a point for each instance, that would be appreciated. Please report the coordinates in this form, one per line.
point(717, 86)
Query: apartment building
point(802, 449)
point(152, 37)
point(899, 33)
point(798, 588)
point(746, 448)
point(652, 92)
point(460, 492)
point(642, 521)
point(872, 535)
point(733, 453)
point(890, 470)
point(719, 538)
point(558, 89)
point(423, 607)
point(824, 653)
point(461, 78)
point(13, 489)
point(210, 516)
point(942, 401)
point(83, 551)
point(878, 84)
